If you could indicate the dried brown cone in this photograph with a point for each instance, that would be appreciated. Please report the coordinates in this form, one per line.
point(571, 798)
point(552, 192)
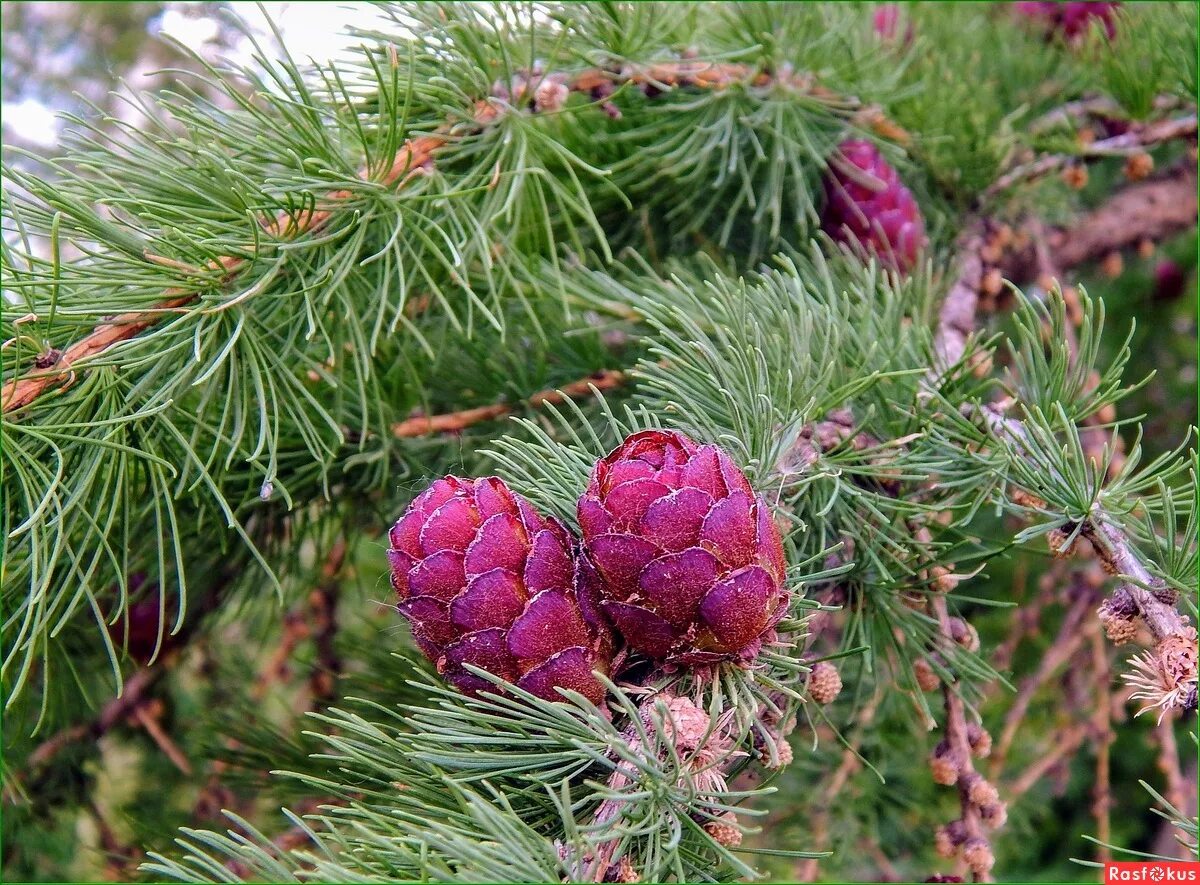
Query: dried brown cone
point(824, 683)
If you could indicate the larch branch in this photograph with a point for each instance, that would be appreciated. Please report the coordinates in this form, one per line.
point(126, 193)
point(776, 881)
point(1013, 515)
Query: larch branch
point(535, 89)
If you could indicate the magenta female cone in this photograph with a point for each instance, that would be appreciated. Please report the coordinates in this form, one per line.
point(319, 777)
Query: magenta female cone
point(689, 561)
point(144, 621)
point(1072, 19)
point(869, 205)
point(486, 580)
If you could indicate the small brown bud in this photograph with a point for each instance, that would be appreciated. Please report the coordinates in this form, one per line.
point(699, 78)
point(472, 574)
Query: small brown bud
point(944, 769)
point(783, 751)
point(977, 855)
point(1138, 166)
point(1180, 656)
point(824, 683)
point(994, 815)
point(948, 838)
point(1112, 265)
point(979, 739)
point(981, 793)
point(964, 634)
point(992, 283)
point(1075, 176)
point(944, 580)
point(723, 830)
point(1057, 539)
point(927, 679)
point(1145, 248)
point(942, 843)
point(1118, 629)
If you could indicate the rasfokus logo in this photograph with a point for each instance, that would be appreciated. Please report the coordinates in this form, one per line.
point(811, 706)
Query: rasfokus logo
point(1152, 871)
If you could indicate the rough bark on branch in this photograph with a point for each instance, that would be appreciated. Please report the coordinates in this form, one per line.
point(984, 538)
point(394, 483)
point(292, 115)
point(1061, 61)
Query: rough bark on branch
point(1149, 210)
point(454, 422)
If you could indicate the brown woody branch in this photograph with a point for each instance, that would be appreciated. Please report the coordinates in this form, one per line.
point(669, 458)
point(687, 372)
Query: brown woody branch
point(1148, 210)
point(136, 690)
point(1135, 141)
point(956, 319)
point(455, 422)
point(1064, 744)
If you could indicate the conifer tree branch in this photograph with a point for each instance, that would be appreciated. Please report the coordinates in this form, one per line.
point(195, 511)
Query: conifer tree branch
point(958, 753)
point(1126, 144)
point(1153, 209)
point(20, 392)
point(544, 92)
point(1150, 595)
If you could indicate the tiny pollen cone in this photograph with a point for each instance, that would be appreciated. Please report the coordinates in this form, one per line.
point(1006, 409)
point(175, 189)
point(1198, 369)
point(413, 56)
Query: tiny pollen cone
point(724, 831)
point(979, 739)
point(943, 766)
point(977, 855)
point(824, 683)
point(926, 678)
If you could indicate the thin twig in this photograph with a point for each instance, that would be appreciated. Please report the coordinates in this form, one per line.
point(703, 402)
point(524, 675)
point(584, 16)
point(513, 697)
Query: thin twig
point(957, 741)
point(111, 714)
point(327, 666)
point(1154, 209)
point(1070, 637)
point(454, 422)
point(145, 717)
point(1102, 800)
point(1136, 140)
point(807, 868)
point(1064, 744)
